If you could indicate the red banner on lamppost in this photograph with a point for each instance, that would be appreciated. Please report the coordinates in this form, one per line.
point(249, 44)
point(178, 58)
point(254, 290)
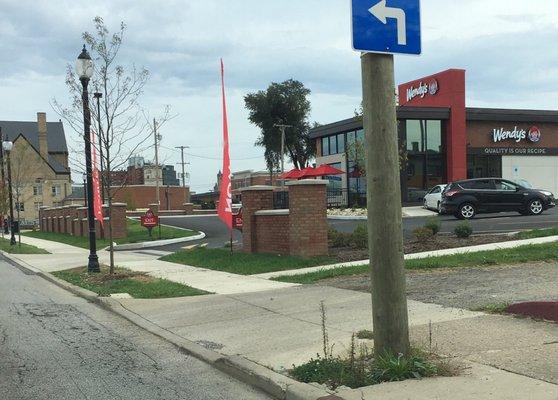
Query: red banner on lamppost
point(97, 203)
point(225, 198)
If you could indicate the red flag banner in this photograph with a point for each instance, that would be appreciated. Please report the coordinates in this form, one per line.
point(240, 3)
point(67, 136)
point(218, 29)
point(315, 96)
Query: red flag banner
point(225, 199)
point(97, 203)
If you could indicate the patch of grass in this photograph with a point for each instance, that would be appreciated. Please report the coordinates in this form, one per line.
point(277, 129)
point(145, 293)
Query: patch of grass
point(136, 284)
point(365, 334)
point(361, 370)
point(135, 233)
point(20, 248)
point(243, 263)
point(536, 233)
point(517, 255)
point(495, 308)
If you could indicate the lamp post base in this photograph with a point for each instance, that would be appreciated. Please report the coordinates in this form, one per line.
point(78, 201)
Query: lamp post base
point(93, 264)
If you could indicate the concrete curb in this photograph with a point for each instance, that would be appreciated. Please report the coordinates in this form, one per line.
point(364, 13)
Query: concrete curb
point(157, 243)
point(272, 383)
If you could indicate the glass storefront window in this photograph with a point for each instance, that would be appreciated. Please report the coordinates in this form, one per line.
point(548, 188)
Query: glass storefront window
point(425, 157)
point(360, 135)
point(325, 146)
point(333, 144)
point(341, 143)
point(350, 137)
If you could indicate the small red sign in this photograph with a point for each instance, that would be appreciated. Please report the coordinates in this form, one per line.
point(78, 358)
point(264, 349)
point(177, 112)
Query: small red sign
point(149, 220)
point(237, 220)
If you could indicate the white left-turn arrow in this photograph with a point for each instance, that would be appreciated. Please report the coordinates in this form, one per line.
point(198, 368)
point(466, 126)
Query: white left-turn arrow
point(383, 12)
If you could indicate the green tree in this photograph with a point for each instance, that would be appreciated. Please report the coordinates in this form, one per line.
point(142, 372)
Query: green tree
point(282, 103)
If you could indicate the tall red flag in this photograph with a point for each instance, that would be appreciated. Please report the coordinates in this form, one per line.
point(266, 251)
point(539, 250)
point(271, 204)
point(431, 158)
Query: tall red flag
point(97, 203)
point(225, 198)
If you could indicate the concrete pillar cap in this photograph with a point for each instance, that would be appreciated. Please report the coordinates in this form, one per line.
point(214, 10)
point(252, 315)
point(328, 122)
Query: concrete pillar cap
point(307, 182)
point(257, 188)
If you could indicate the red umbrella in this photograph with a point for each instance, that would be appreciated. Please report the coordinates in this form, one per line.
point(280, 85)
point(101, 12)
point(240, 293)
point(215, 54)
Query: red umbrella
point(324, 170)
point(293, 174)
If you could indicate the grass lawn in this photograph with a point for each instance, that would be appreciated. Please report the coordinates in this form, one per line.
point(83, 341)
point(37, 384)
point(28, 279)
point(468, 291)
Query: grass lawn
point(539, 252)
point(136, 233)
point(535, 233)
point(20, 248)
point(138, 285)
point(243, 263)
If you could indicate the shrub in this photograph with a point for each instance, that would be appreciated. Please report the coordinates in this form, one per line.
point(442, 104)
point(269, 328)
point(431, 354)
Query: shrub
point(433, 223)
point(390, 368)
point(338, 239)
point(359, 238)
point(463, 230)
point(423, 234)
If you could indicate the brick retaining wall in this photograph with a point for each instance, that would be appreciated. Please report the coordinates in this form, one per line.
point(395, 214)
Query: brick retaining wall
point(72, 220)
point(301, 230)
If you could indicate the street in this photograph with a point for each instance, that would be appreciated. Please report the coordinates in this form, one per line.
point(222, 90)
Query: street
point(217, 234)
point(57, 346)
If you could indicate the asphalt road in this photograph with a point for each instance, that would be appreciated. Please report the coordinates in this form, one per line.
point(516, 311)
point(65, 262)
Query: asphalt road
point(54, 345)
point(217, 234)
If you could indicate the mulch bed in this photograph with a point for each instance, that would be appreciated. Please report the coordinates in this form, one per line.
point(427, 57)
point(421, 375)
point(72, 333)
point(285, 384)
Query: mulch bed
point(438, 242)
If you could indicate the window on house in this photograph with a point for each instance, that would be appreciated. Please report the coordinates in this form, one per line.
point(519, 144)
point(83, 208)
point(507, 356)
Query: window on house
point(56, 190)
point(37, 190)
point(38, 205)
point(20, 206)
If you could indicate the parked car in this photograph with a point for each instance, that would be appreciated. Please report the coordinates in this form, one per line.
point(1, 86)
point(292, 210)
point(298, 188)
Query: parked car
point(466, 198)
point(433, 199)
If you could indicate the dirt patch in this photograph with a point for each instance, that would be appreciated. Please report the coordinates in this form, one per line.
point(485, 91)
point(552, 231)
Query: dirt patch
point(438, 242)
point(104, 276)
point(471, 288)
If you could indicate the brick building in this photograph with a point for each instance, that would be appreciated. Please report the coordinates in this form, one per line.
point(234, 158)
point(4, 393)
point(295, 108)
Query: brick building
point(39, 164)
point(244, 179)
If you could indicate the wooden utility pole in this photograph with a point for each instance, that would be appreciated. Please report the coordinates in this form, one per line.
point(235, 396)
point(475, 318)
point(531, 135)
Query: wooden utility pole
point(385, 235)
point(282, 127)
point(183, 164)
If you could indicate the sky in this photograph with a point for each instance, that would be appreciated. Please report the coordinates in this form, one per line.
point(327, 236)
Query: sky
point(508, 48)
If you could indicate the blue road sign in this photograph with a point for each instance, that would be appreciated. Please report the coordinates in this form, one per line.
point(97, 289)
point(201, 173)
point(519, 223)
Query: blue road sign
point(386, 26)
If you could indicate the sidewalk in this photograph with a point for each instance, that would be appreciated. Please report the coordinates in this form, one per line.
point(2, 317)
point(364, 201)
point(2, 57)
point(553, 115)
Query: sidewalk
point(280, 325)
point(64, 256)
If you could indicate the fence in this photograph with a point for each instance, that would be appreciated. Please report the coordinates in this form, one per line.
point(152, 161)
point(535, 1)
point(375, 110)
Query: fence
point(280, 200)
point(341, 198)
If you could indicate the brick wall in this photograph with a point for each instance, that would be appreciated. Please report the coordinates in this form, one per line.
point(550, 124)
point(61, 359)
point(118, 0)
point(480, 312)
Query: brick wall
point(254, 199)
point(72, 220)
point(301, 230)
point(272, 231)
point(141, 196)
point(308, 218)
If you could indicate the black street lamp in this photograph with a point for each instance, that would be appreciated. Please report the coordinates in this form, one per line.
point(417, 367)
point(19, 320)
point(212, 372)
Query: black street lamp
point(84, 70)
point(84, 176)
point(7, 146)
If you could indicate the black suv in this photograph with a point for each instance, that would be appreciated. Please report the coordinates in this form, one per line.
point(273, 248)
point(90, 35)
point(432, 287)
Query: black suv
point(466, 198)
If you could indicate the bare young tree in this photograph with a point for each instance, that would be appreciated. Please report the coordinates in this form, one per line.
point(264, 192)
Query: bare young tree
point(25, 167)
point(123, 131)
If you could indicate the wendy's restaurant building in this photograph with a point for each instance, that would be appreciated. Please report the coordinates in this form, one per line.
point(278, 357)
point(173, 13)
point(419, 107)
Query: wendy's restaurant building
point(441, 140)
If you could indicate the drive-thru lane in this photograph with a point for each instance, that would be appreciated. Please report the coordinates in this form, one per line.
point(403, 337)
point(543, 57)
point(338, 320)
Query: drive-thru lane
point(217, 235)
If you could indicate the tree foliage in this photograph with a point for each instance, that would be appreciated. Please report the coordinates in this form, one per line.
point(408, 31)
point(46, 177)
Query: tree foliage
point(282, 103)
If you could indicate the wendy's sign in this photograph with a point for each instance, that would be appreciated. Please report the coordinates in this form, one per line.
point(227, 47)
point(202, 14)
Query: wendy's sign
point(516, 134)
point(149, 220)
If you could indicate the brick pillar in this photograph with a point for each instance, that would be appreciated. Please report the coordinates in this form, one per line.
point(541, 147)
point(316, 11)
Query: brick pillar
point(308, 217)
point(71, 214)
point(83, 227)
point(188, 208)
point(254, 198)
point(118, 217)
point(43, 218)
point(62, 218)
